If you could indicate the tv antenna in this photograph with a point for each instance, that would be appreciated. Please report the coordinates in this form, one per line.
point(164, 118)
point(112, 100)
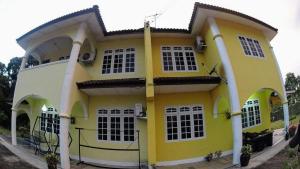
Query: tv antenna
point(153, 18)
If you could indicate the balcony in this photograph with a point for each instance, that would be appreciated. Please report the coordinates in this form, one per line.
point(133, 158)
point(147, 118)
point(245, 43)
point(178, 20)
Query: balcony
point(50, 52)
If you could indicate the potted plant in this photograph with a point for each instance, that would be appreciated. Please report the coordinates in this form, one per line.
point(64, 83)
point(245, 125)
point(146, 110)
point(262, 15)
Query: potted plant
point(246, 154)
point(287, 135)
point(292, 130)
point(209, 157)
point(52, 160)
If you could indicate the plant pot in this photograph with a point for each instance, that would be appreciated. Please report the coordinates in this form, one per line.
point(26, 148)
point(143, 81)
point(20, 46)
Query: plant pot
point(287, 136)
point(244, 160)
point(52, 166)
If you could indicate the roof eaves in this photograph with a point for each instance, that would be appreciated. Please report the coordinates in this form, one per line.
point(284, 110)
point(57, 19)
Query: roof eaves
point(170, 30)
point(217, 8)
point(130, 82)
point(94, 9)
point(125, 31)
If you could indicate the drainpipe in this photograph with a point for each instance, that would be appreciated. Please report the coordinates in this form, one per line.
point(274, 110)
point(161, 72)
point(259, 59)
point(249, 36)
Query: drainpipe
point(150, 97)
point(66, 97)
point(13, 126)
point(232, 90)
point(285, 101)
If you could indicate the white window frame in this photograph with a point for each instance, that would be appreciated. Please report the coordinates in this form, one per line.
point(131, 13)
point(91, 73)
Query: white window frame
point(259, 56)
point(173, 59)
point(191, 113)
point(123, 61)
point(50, 111)
point(122, 116)
point(252, 104)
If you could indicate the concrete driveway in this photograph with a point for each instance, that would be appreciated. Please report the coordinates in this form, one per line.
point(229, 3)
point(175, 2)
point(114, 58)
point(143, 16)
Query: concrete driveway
point(10, 161)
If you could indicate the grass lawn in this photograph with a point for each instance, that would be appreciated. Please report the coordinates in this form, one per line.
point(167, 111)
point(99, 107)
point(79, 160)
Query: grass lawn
point(279, 124)
point(4, 131)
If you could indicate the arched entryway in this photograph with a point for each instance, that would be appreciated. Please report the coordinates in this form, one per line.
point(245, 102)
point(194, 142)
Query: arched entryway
point(37, 121)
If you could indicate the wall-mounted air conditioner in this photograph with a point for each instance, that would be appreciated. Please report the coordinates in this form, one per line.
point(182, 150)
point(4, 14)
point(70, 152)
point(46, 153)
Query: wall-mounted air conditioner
point(200, 44)
point(138, 110)
point(87, 57)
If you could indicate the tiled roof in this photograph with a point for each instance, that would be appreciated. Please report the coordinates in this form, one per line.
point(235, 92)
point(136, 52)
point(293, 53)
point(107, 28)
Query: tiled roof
point(95, 10)
point(187, 80)
point(217, 8)
point(130, 82)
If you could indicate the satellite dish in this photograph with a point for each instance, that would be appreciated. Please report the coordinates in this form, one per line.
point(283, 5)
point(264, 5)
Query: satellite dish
point(213, 70)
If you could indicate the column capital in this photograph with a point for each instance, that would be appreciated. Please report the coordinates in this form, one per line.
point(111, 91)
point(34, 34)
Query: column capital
point(77, 42)
point(236, 114)
point(14, 109)
point(65, 116)
point(217, 36)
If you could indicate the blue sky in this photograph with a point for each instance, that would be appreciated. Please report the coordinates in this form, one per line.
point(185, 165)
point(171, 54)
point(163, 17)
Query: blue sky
point(19, 17)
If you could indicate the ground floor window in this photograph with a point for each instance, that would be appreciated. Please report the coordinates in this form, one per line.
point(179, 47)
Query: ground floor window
point(251, 114)
point(49, 121)
point(184, 122)
point(116, 124)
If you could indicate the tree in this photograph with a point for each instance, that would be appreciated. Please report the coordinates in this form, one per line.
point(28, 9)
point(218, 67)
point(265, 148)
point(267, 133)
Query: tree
point(291, 82)
point(12, 71)
point(4, 83)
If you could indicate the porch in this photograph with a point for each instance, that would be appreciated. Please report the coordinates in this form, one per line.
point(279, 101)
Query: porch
point(26, 153)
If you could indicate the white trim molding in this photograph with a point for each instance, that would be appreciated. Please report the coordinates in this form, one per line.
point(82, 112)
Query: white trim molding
point(189, 160)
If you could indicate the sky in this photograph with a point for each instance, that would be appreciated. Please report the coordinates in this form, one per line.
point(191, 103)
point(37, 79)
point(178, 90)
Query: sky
point(20, 16)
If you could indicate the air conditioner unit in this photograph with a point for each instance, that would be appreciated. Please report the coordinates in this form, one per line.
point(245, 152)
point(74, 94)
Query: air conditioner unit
point(88, 57)
point(200, 44)
point(138, 110)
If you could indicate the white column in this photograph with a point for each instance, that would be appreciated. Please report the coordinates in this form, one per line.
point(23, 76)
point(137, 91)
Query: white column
point(232, 90)
point(24, 60)
point(285, 101)
point(13, 127)
point(286, 115)
point(66, 97)
point(64, 142)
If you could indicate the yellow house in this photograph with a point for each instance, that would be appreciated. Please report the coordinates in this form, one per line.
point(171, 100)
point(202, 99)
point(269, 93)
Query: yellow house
point(158, 96)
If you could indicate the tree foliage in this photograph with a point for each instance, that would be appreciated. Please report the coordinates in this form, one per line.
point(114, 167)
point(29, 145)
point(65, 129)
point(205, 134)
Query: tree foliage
point(12, 71)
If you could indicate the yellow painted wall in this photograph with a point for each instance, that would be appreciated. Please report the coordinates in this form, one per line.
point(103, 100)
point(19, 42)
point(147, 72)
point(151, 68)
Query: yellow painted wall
point(95, 70)
point(44, 81)
point(90, 137)
point(217, 130)
point(157, 43)
point(265, 110)
point(251, 73)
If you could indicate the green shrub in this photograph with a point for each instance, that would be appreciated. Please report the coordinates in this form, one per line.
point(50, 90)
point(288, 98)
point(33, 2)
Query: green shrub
point(291, 153)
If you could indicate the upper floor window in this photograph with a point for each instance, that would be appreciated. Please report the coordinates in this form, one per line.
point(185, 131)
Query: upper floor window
point(251, 47)
point(251, 114)
point(116, 125)
point(184, 123)
point(118, 61)
point(178, 58)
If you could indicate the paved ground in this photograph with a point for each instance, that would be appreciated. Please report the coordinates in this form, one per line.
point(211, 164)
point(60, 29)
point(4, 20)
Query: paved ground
point(10, 161)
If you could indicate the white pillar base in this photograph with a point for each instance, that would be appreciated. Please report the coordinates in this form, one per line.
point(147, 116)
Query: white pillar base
point(14, 127)
point(286, 115)
point(64, 142)
point(237, 138)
